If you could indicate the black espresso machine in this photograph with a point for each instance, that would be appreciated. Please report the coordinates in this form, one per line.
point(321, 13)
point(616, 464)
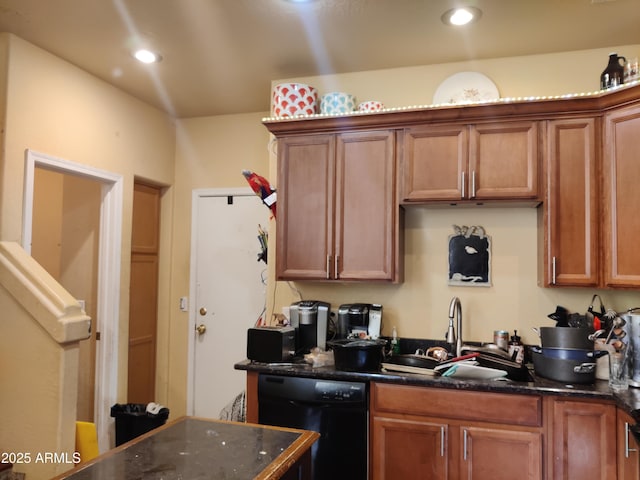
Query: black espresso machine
point(359, 319)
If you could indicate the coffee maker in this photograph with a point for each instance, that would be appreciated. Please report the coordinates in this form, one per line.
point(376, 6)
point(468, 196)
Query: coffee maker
point(357, 319)
point(310, 318)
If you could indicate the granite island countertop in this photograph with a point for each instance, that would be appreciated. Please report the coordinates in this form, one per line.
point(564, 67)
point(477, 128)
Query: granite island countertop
point(190, 448)
point(629, 400)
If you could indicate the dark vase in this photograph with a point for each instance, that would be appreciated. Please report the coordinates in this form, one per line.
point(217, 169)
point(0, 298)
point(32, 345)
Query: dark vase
point(613, 75)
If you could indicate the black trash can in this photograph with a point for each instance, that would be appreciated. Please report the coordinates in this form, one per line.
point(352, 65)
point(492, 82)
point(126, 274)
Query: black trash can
point(132, 420)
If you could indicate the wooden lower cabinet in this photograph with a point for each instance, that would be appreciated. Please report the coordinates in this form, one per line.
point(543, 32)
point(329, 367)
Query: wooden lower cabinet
point(628, 449)
point(431, 433)
point(408, 448)
point(498, 453)
point(581, 439)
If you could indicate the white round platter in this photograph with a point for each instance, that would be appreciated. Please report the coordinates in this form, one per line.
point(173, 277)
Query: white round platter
point(466, 87)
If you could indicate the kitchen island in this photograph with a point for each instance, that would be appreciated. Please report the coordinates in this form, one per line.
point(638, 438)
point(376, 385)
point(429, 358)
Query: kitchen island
point(192, 448)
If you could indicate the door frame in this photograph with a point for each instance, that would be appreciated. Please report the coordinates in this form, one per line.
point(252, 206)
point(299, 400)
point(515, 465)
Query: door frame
point(109, 259)
point(195, 196)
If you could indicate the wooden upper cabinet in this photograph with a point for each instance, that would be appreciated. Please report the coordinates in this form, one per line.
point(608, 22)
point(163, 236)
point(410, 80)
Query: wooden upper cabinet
point(503, 161)
point(434, 163)
point(366, 213)
point(569, 230)
point(338, 217)
point(494, 161)
point(621, 194)
point(304, 223)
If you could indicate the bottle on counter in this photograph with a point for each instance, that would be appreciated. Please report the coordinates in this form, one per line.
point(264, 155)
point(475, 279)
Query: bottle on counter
point(395, 343)
point(613, 75)
point(516, 348)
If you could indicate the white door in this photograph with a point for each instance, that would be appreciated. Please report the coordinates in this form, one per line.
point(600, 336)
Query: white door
point(229, 293)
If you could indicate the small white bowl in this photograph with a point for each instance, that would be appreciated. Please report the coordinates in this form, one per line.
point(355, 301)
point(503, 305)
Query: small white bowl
point(370, 106)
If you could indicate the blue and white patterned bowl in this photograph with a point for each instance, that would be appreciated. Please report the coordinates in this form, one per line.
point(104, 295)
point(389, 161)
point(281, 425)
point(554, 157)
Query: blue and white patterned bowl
point(337, 102)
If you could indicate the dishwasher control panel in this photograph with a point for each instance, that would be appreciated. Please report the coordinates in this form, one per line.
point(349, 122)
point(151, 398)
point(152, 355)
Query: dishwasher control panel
point(340, 391)
point(301, 389)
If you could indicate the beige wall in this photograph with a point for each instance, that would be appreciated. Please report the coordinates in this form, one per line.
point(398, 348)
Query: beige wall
point(57, 109)
point(211, 153)
point(515, 77)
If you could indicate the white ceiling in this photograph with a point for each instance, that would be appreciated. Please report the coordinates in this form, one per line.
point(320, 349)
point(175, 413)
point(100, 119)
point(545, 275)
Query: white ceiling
point(220, 56)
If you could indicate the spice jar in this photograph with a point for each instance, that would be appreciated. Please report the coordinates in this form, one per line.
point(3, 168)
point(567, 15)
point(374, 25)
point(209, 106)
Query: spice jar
point(501, 339)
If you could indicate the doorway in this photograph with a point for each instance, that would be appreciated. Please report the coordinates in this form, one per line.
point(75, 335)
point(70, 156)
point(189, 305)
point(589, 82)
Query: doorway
point(108, 274)
point(228, 285)
point(66, 231)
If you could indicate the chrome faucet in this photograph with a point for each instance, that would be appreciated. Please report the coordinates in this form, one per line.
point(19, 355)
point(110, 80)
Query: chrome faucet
point(455, 309)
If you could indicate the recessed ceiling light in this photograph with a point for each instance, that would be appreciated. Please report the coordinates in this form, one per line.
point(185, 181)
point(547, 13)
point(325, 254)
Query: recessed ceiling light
point(461, 16)
point(147, 56)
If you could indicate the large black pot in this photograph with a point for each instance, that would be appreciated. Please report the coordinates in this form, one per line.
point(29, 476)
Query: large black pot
point(576, 354)
point(566, 337)
point(357, 355)
point(560, 370)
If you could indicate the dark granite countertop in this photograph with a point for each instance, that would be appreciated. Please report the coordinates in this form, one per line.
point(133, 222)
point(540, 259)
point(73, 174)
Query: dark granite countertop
point(628, 401)
point(194, 448)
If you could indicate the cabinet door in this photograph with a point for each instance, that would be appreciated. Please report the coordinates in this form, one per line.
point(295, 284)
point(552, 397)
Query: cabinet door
point(583, 440)
point(520, 458)
point(408, 449)
point(628, 456)
point(366, 211)
point(621, 172)
point(304, 223)
point(503, 161)
point(570, 209)
point(435, 163)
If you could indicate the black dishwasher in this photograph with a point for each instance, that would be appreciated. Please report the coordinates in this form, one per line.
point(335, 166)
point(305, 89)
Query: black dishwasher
point(337, 410)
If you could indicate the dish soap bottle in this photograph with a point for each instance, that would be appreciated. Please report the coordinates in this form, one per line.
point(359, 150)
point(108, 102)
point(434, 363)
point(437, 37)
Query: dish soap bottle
point(516, 348)
point(395, 343)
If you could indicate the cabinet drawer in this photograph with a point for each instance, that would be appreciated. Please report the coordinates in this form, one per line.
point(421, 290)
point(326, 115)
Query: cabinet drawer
point(511, 409)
